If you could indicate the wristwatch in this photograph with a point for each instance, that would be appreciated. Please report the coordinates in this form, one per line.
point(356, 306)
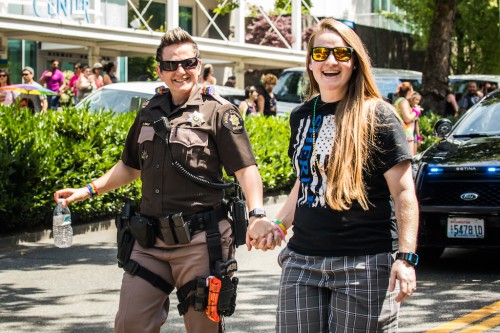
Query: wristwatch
point(257, 212)
point(409, 257)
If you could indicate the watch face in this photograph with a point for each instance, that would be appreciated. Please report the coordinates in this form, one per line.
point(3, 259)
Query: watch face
point(257, 212)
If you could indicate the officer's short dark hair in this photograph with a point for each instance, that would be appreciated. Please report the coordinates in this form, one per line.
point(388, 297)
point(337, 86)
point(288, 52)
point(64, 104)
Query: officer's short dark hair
point(173, 37)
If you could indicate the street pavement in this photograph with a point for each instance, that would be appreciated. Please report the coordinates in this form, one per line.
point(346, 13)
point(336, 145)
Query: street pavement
point(47, 289)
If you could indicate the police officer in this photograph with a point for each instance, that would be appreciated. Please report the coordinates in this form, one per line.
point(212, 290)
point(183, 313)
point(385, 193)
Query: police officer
point(205, 133)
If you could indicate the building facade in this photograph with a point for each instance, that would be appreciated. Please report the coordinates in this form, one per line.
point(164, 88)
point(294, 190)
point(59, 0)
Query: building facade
point(32, 32)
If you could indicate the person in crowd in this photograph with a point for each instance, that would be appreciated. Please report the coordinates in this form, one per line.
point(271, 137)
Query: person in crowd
point(491, 88)
point(172, 127)
point(484, 88)
point(110, 74)
point(470, 98)
point(414, 100)
point(97, 73)
point(451, 107)
point(54, 80)
point(231, 81)
point(86, 83)
point(409, 116)
point(266, 102)
point(40, 103)
point(7, 97)
point(208, 77)
point(27, 103)
point(248, 107)
point(73, 80)
point(350, 260)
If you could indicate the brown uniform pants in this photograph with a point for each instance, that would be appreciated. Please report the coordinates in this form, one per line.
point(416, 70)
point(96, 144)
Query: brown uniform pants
point(143, 307)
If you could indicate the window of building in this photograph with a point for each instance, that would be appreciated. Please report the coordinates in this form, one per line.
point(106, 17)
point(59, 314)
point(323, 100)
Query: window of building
point(186, 18)
point(155, 14)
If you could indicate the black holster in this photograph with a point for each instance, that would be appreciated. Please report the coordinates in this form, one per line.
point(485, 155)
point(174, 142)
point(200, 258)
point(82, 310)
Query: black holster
point(124, 239)
point(143, 230)
point(238, 209)
point(227, 296)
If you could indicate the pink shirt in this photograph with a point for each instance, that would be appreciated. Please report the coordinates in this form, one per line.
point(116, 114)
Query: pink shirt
point(72, 83)
point(55, 81)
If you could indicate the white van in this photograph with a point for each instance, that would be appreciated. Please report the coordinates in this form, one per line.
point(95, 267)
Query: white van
point(293, 84)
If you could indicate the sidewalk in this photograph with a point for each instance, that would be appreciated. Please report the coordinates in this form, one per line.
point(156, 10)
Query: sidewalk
point(47, 289)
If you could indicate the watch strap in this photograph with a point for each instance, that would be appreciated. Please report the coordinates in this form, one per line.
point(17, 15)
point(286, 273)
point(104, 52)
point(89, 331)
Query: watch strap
point(409, 257)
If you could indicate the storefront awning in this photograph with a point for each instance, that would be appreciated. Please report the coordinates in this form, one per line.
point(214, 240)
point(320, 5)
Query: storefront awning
point(112, 41)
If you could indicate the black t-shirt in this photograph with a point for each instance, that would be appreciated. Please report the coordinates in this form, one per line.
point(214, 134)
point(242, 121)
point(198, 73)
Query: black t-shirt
point(319, 230)
point(269, 102)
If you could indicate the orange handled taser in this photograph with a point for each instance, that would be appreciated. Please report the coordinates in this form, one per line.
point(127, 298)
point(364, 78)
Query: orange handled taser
point(214, 285)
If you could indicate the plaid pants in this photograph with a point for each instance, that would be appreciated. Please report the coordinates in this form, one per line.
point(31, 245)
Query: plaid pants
point(336, 294)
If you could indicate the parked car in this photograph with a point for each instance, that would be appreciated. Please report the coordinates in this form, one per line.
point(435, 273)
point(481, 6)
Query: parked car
point(293, 83)
point(128, 96)
point(458, 182)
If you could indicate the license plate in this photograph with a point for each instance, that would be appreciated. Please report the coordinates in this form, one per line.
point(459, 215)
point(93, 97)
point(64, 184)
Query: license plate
point(465, 227)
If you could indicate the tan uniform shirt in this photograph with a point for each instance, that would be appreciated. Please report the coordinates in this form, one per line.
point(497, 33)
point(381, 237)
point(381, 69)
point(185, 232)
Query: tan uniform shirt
point(207, 133)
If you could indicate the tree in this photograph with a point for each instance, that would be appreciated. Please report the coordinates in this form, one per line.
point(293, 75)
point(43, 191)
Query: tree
point(459, 36)
point(475, 36)
point(437, 58)
point(262, 34)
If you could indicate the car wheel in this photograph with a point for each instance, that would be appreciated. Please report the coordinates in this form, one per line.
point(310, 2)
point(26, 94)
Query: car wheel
point(429, 254)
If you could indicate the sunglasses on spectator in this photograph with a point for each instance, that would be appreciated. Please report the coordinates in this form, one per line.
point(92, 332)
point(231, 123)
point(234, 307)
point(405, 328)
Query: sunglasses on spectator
point(26, 74)
point(341, 53)
point(172, 65)
point(3, 75)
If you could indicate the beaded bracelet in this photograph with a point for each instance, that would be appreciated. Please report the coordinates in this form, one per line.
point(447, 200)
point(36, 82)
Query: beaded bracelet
point(281, 225)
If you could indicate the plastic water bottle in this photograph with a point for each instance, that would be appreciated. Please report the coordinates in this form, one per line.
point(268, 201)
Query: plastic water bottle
point(61, 226)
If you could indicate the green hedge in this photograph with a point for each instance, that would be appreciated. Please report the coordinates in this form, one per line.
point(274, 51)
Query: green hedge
point(42, 153)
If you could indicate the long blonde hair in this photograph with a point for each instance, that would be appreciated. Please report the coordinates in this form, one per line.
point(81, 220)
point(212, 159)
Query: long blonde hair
point(354, 123)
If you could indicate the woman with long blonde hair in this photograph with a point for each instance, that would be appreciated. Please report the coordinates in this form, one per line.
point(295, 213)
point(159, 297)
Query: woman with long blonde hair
point(341, 269)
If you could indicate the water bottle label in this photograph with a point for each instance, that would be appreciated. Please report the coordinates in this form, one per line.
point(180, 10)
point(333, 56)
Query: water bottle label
point(62, 220)
point(67, 220)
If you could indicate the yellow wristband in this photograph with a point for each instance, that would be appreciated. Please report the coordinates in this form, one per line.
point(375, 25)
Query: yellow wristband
point(280, 224)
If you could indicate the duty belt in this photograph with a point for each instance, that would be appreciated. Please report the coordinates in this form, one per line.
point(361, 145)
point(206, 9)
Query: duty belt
point(199, 221)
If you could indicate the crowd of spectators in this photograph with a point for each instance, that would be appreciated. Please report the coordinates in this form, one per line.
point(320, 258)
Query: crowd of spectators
point(47, 92)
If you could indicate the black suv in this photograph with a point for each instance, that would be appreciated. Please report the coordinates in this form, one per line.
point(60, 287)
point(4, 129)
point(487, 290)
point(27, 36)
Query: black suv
point(458, 182)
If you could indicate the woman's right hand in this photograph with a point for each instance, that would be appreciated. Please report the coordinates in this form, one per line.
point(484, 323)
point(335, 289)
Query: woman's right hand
point(71, 195)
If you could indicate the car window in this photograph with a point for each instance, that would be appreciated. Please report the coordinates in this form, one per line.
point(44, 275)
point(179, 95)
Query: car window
point(482, 120)
point(291, 87)
point(118, 101)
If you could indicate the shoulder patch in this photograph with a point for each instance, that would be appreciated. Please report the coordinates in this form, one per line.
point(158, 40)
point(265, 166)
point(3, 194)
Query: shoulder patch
point(232, 120)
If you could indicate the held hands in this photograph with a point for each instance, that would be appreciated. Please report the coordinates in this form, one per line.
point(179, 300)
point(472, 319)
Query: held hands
point(263, 234)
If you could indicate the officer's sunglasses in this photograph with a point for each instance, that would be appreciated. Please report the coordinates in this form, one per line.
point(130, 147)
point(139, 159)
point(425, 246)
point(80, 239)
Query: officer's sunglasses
point(341, 53)
point(172, 65)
